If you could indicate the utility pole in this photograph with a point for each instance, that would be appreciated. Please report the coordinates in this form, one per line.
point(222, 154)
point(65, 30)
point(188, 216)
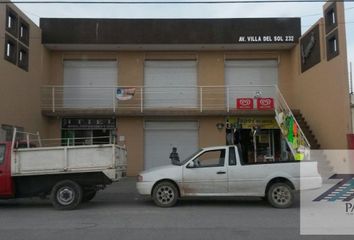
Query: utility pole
point(351, 78)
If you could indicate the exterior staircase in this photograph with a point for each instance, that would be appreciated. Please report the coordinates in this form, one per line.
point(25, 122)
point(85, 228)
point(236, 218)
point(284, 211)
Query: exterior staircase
point(324, 166)
point(306, 130)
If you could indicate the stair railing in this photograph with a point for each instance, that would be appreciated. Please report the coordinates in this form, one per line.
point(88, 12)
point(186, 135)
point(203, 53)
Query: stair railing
point(282, 106)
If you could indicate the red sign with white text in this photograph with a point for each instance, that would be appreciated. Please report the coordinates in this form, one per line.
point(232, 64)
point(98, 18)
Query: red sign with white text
point(265, 103)
point(244, 103)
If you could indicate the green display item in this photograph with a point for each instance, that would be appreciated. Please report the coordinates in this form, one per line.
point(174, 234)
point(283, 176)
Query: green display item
point(295, 143)
point(290, 130)
point(299, 156)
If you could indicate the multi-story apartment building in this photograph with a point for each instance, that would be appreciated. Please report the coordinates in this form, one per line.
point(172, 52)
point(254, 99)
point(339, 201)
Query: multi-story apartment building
point(155, 84)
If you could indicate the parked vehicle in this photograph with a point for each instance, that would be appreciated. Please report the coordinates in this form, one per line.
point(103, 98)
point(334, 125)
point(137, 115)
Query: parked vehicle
point(68, 174)
point(219, 171)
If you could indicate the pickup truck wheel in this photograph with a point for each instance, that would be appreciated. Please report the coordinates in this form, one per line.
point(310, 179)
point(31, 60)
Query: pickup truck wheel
point(280, 195)
point(88, 196)
point(165, 194)
point(66, 195)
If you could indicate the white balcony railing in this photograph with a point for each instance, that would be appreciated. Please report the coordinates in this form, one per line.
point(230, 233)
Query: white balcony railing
point(199, 98)
point(172, 98)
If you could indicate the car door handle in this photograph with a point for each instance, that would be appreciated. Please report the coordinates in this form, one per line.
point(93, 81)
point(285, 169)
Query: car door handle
point(221, 172)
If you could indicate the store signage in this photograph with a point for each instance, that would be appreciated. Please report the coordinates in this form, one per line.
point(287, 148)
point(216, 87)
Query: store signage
point(265, 103)
point(88, 123)
point(266, 39)
point(249, 122)
point(244, 103)
point(124, 94)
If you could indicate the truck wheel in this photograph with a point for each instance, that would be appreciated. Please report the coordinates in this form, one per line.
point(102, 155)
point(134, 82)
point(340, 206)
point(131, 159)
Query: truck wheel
point(165, 194)
point(280, 195)
point(88, 196)
point(66, 195)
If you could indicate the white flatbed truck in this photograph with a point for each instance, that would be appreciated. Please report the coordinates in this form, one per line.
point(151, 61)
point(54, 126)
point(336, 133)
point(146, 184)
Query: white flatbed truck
point(70, 175)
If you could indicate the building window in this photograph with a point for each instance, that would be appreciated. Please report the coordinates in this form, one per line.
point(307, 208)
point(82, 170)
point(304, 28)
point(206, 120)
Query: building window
point(332, 45)
point(22, 60)
point(23, 34)
point(11, 21)
point(330, 16)
point(10, 49)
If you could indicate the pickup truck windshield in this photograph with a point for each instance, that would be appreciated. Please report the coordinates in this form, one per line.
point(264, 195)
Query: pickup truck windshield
point(187, 159)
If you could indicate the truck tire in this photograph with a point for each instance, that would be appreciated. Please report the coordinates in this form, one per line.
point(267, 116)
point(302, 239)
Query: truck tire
point(165, 194)
point(88, 196)
point(280, 195)
point(66, 195)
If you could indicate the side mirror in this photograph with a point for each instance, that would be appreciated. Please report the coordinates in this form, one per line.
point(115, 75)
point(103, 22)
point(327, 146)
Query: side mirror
point(191, 164)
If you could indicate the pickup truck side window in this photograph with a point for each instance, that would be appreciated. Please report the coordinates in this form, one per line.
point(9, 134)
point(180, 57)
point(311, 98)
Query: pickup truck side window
point(232, 156)
point(213, 158)
point(2, 153)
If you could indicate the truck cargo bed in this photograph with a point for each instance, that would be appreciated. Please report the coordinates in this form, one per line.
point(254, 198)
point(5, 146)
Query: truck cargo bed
point(108, 158)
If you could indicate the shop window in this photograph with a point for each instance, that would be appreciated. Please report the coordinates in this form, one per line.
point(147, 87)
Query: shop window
point(330, 15)
point(22, 60)
point(10, 49)
point(86, 137)
point(11, 21)
point(23, 32)
point(332, 45)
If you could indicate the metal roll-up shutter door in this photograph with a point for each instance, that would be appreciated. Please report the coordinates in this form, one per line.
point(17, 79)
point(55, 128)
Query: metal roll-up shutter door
point(170, 84)
point(250, 73)
point(160, 137)
point(90, 83)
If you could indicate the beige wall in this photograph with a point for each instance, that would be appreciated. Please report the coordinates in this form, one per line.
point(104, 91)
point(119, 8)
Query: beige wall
point(20, 90)
point(209, 135)
point(132, 128)
point(211, 73)
point(321, 93)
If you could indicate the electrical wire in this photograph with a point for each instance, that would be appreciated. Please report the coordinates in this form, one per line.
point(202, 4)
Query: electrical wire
point(172, 2)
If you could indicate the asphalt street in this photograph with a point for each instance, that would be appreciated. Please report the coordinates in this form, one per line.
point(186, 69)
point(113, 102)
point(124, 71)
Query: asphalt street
point(119, 213)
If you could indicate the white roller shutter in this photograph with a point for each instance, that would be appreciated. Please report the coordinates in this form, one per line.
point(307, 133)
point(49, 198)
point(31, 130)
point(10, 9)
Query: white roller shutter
point(160, 137)
point(250, 73)
point(170, 84)
point(90, 83)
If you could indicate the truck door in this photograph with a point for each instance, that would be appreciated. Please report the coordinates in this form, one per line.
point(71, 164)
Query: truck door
point(6, 185)
point(206, 174)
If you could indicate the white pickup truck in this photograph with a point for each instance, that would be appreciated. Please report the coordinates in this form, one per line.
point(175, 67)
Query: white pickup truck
point(68, 174)
point(219, 171)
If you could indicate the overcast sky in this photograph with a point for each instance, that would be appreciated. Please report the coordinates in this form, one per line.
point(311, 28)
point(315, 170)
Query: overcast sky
point(309, 12)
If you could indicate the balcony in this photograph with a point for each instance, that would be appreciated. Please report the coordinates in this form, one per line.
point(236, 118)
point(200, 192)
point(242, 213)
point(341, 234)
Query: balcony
point(155, 101)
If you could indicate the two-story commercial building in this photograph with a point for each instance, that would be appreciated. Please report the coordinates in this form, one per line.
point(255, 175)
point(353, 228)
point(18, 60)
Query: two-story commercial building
point(155, 84)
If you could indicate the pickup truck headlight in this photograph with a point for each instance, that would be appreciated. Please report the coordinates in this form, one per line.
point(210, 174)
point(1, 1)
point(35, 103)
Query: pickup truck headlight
point(139, 178)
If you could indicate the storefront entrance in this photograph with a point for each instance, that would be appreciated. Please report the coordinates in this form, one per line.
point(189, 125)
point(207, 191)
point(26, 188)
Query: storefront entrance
point(161, 136)
point(258, 139)
point(87, 131)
